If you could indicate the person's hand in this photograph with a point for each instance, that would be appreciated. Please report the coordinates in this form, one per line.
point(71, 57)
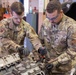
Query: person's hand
point(49, 66)
point(42, 51)
point(23, 51)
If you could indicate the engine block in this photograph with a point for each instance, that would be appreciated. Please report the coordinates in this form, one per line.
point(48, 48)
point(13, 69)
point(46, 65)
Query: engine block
point(13, 65)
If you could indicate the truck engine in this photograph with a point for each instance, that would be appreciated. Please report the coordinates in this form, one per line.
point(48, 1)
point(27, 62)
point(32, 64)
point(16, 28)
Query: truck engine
point(12, 64)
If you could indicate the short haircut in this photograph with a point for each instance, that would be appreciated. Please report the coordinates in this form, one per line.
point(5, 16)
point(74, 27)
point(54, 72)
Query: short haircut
point(53, 5)
point(17, 7)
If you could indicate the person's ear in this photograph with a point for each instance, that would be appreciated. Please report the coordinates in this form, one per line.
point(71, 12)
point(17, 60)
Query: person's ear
point(61, 11)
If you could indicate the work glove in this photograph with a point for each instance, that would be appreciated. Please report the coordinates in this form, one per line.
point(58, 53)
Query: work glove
point(42, 51)
point(42, 54)
point(23, 52)
point(49, 66)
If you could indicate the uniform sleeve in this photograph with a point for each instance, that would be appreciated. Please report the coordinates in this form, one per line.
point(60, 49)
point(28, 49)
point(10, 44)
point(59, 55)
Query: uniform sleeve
point(5, 42)
point(43, 31)
point(70, 53)
point(41, 34)
point(31, 34)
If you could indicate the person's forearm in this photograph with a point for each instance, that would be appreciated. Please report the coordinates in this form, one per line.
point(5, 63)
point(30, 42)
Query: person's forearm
point(9, 44)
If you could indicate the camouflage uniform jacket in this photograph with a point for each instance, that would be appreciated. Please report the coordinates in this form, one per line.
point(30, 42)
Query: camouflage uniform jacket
point(12, 35)
point(60, 39)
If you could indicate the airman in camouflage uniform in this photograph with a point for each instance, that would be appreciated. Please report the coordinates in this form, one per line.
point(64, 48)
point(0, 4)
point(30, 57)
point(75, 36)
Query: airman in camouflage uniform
point(14, 29)
point(59, 36)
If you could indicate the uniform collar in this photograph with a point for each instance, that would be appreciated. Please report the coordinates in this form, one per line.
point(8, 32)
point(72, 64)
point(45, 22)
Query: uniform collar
point(12, 26)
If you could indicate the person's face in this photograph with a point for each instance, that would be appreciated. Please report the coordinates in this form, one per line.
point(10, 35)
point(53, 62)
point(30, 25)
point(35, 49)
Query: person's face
point(17, 18)
point(54, 17)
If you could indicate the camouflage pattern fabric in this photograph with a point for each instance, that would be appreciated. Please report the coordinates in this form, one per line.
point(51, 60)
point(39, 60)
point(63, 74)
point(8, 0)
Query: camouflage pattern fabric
point(60, 39)
point(11, 35)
